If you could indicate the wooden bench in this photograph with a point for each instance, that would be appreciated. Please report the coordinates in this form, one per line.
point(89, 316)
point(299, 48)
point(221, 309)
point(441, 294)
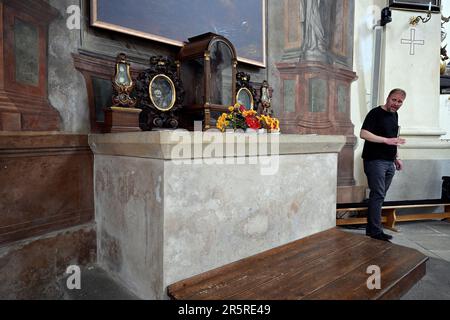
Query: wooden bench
point(331, 265)
point(389, 212)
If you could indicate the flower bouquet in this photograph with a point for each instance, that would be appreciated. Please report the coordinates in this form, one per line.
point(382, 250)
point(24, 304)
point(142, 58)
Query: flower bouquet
point(270, 124)
point(241, 118)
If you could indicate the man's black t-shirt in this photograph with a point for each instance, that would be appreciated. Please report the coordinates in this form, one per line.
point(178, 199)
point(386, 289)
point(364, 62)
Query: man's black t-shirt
point(381, 123)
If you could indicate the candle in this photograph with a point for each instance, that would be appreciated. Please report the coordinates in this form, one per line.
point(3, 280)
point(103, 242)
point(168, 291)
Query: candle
point(429, 6)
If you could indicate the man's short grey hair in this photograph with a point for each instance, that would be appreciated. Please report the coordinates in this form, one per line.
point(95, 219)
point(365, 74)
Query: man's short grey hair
point(397, 90)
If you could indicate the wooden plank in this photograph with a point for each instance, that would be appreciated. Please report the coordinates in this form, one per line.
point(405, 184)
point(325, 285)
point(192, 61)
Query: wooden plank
point(352, 221)
point(422, 216)
point(396, 207)
point(225, 275)
point(415, 206)
point(317, 267)
point(390, 218)
point(351, 209)
point(301, 281)
point(396, 265)
point(405, 283)
point(254, 271)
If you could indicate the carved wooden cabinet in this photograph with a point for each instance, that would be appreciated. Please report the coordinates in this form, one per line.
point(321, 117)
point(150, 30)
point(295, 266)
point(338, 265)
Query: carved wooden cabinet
point(208, 70)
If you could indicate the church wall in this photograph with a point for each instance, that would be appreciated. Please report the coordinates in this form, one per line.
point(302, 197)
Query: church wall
point(276, 43)
point(46, 211)
point(67, 88)
point(420, 179)
point(38, 208)
point(34, 268)
point(45, 185)
point(445, 98)
point(421, 115)
point(414, 68)
point(367, 13)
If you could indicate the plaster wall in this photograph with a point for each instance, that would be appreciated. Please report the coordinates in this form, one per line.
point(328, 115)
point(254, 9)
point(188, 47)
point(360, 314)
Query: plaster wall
point(420, 179)
point(414, 68)
point(66, 86)
point(445, 102)
point(422, 118)
point(367, 14)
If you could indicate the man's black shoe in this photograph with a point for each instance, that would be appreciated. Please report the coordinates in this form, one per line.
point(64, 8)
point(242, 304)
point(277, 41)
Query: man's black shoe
point(389, 237)
point(381, 236)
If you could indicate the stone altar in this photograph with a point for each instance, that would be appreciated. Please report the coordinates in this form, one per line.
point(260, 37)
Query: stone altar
point(168, 207)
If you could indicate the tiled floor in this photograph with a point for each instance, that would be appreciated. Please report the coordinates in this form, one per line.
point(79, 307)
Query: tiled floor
point(432, 238)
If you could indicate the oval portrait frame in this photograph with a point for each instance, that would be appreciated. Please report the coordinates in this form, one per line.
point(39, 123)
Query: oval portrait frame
point(249, 93)
point(172, 86)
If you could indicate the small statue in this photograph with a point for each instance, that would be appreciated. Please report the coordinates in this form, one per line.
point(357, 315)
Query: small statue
point(265, 100)
point(443, 54)
point(444, 58)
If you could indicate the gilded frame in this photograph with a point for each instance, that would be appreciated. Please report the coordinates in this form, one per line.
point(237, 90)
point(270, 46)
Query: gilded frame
point(130, 79)
point(252, 101)
point(254, 51)
point(172, 86)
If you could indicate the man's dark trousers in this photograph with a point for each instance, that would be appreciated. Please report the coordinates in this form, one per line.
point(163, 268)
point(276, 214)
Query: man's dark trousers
point(379, 177)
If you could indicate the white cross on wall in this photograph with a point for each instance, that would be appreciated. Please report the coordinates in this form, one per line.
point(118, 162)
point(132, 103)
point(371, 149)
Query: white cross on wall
point(412, 42)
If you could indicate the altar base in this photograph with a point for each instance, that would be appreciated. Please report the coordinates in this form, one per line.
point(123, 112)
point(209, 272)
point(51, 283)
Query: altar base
point(168, 208)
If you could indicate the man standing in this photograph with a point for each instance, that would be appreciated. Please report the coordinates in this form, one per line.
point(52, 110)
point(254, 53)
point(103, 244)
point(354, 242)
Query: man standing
point(381, 132)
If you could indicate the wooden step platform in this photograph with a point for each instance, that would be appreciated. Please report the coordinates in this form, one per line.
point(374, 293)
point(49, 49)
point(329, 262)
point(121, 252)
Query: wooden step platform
point(327, 265)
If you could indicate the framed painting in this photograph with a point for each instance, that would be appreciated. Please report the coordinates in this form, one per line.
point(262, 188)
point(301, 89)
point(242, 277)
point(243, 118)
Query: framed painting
point(422, 5)
point(174, 21)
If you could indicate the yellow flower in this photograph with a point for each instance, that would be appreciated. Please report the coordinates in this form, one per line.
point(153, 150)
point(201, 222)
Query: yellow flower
point(231, 108)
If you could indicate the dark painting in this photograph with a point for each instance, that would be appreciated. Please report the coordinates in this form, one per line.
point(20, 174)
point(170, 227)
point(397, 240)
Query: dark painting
point(423, 5)
point(174, 21)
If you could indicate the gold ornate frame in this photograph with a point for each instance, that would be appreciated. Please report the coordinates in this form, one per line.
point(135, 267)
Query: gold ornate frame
point(252, 101)
point(126, 87)
point(174, 97)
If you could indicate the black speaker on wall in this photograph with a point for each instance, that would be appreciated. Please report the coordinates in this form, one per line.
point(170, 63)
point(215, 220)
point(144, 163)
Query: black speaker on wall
point(386, 16)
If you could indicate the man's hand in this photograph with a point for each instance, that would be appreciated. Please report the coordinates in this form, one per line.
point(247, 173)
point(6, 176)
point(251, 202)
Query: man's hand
point(394, 141)
point(398, 164)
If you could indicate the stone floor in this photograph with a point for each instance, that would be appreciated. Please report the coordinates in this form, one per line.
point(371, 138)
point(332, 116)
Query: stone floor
point(430, 237)
point(96, 284)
